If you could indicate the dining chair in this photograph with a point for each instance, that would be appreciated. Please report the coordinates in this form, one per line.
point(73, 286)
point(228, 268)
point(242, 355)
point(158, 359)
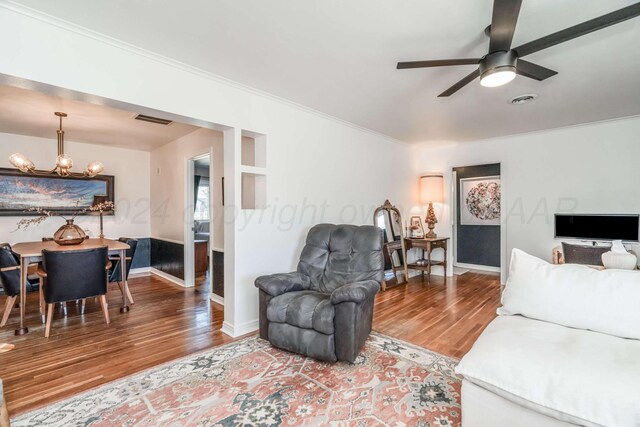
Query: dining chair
point(74, 275)
point(10, 279)
point(115, 274)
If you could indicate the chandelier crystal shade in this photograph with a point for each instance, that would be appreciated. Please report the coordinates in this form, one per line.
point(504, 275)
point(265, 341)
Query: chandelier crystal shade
point(64, 162)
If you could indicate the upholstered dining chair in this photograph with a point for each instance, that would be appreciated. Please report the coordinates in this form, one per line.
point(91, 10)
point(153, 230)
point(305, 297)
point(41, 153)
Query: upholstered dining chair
point(74, 275)
point(115, 274)
point(10, 279)
point(324, 309)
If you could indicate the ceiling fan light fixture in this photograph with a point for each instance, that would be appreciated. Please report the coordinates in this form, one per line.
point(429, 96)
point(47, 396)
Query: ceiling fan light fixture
point(498, 68)
point(498, 76)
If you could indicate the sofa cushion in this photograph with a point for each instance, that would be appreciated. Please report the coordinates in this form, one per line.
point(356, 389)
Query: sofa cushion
point(304, 309)
point(304, 341)
point(572, 295)
point(579, 376)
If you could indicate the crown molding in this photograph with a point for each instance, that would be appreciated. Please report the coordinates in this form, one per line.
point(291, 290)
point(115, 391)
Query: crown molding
point(102, 38)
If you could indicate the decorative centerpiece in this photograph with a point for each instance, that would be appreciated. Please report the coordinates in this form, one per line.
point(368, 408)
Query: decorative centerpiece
point(69, 233)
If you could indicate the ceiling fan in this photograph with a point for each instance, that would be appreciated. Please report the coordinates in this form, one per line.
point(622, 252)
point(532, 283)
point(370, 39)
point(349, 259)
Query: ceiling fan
point(503, 62)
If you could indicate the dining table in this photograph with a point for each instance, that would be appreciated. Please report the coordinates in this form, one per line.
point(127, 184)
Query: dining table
point(31, 252)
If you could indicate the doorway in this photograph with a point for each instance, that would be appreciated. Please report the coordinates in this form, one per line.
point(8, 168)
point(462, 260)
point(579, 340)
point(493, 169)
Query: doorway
point(477, 219)
point(201, 218)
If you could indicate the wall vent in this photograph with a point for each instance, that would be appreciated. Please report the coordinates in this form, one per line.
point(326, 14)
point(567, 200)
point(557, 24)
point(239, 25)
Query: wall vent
point(151, 119)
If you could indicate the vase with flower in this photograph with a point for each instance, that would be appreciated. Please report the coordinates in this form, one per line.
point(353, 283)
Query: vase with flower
point(68, 234)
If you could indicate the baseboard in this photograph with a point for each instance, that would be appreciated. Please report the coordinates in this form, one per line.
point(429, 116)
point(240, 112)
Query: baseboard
point(478, 267)
point(139, 272)
point(169, 277)
point(217, 299)
point(236, 331)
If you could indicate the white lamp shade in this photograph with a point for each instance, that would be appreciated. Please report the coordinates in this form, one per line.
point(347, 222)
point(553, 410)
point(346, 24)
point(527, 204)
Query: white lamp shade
point(432, 188)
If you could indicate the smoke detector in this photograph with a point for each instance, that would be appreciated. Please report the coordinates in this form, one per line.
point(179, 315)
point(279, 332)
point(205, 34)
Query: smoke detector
point(523, 99)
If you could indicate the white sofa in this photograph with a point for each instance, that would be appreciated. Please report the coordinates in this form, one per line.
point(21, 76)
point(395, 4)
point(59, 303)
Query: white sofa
point(564, 350)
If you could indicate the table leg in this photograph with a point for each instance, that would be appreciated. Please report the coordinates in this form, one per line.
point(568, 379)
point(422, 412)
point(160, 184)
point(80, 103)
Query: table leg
point(429, 262)
point(445, 263)
point(123, 272)
point(24, 265)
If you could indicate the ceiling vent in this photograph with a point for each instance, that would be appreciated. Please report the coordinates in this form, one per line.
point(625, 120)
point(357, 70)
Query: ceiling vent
point(523, 99)
point(151, 119)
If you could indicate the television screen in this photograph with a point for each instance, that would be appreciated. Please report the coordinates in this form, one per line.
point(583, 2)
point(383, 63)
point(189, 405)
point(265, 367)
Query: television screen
point(598, 227)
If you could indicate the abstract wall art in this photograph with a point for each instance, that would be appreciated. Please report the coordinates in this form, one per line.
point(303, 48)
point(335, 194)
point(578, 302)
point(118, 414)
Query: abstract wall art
point(480, 201)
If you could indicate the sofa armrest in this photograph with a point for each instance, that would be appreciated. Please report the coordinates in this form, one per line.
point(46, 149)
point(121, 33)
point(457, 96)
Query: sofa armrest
point(278, 284)
point(355, 292)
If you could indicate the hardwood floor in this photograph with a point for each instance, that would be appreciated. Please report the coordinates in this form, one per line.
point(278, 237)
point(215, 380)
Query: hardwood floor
point(443, 318)
point(168, 322)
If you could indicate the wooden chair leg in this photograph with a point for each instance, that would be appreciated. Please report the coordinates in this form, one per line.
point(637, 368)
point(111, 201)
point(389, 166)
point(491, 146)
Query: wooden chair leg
point(47, 327)
point(41, 302)
point(105, 308)
point(8, 306)
point(129, 296)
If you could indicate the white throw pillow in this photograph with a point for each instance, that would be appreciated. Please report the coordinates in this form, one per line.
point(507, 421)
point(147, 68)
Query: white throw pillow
point(573, 295)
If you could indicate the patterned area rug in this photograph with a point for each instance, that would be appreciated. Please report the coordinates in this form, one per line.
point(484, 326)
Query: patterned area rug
point(250, 383)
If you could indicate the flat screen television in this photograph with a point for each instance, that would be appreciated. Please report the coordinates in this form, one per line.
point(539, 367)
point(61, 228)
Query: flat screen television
point(597, 227)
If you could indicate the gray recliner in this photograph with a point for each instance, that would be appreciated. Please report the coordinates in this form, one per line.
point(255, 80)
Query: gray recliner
point(324, 309)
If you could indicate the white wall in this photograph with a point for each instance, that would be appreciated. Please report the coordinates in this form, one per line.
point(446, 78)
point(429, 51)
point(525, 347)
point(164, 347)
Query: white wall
point(313, 161)
point(168, 187)
point(590, 168)
point(131, 171)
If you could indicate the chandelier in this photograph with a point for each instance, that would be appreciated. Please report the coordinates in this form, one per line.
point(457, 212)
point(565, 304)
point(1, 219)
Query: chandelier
point(64, 163)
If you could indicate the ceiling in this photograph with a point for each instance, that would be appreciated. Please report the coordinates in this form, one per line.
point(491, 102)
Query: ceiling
point(25, 112)
point(339, 57)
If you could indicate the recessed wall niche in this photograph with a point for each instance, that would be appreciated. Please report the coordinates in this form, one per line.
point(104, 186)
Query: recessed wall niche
point(254, 191)
point(253, 163)
point(254, 149)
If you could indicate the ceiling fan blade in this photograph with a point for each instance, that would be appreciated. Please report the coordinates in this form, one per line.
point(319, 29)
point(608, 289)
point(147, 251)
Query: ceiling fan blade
point(503, 24)
point(437, 63)
point(533, 71)
point(586, 27)
point(462, 83)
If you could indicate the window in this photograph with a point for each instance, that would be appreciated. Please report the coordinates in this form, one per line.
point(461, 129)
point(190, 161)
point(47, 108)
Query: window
point(202, 203)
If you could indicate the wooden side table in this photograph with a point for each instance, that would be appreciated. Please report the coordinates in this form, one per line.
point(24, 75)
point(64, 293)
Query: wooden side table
point(427, 246)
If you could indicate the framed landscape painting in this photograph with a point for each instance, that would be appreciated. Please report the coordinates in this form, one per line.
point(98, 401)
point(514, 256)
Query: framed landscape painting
point(480, 201)
point(20, 191)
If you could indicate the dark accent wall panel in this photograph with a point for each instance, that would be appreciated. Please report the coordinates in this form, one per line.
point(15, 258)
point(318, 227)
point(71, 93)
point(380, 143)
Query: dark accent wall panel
point(142, 258)
point(477, 244)
point(168, 257)
point(217, 277)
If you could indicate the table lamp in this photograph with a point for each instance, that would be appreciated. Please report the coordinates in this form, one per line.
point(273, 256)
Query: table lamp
point(100, 204)
point(431, 191)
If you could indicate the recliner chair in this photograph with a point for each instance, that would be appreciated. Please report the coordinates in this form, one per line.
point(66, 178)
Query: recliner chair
point(324, 309)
